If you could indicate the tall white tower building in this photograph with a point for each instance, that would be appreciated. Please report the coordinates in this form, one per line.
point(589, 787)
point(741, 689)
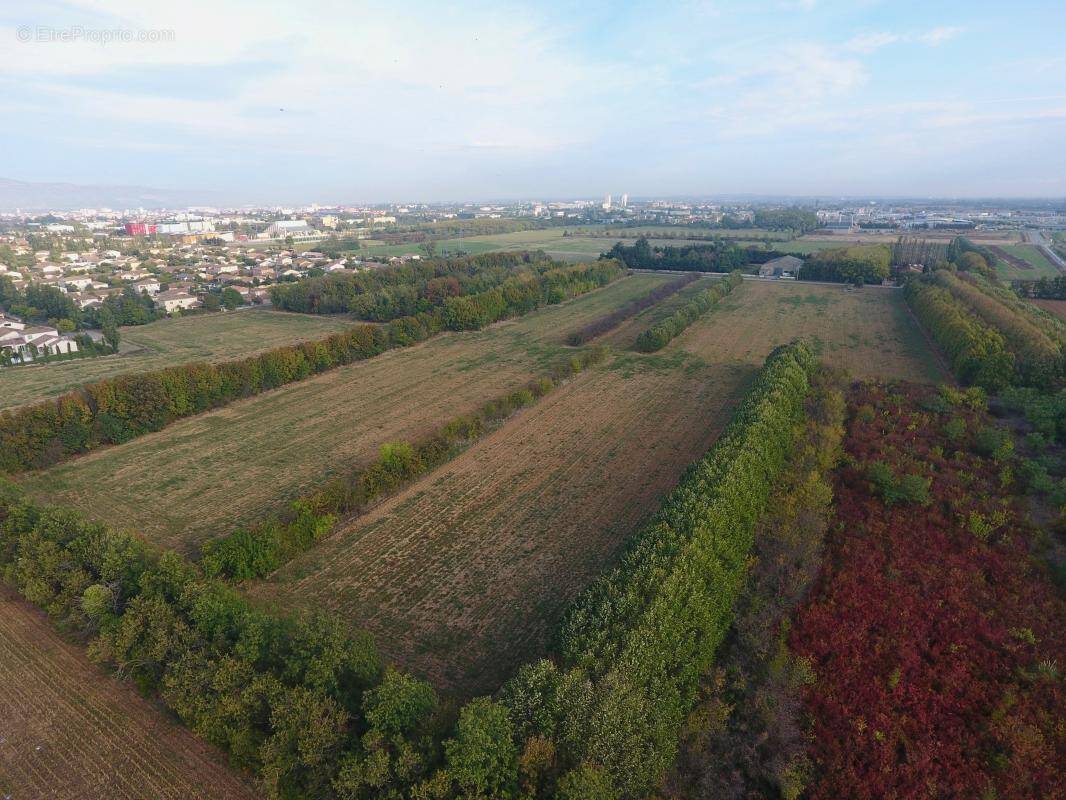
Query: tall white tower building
point(607, 203)
point(625, 200)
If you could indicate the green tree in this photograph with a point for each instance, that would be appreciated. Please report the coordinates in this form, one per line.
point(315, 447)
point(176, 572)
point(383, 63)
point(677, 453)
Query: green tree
point(231, 298)
point(482, 758)
point(212, 302)
point(109, 328)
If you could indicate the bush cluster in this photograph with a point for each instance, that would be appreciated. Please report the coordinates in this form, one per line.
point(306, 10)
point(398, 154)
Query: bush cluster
point(659, 335)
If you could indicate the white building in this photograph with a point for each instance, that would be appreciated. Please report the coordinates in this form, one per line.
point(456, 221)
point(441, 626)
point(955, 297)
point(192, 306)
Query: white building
point(175, 299)
point(287, 227)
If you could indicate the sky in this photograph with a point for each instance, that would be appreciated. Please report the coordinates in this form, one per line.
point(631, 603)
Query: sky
point(350, 102)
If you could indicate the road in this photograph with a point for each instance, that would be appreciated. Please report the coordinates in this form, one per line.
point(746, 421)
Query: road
point(1037, 238)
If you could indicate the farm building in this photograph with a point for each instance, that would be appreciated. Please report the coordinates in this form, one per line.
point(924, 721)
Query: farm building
point(783, 266)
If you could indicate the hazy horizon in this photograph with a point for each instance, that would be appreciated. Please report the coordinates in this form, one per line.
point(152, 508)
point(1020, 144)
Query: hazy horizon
point(248, 103)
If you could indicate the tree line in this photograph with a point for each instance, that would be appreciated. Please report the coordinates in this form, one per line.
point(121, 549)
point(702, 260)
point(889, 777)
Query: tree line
point(257, 551)
point(338, 292)
point(312, 710)
point(118, 409)
point(859, 264)
point(719, 256)
point(615, 318)
point(659, 335)
point(1038, 359)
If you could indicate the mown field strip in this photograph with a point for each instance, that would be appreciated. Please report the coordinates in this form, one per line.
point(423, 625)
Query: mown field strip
point(69, 731)
point(206, 337)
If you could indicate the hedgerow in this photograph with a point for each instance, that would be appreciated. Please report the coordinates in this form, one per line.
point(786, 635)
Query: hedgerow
point(1037, 356)
point(607, 322)
point(121, 408)
point(633, 647)
point(747, 736)
point(978, 353)
point(659, 335)
point(257, 551)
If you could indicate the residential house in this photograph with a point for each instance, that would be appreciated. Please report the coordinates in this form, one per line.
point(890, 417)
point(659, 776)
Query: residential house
point(176, 299)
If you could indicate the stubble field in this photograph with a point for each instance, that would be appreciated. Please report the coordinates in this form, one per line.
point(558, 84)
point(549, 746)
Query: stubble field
point(69, 732)
point(166, 343)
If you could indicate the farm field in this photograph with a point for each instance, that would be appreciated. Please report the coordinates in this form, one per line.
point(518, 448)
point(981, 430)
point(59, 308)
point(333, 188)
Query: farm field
point(1023, 262)
point(67, 731)
point(868, 332)
point(625, 335)
point(464, 575)
point(206, 337)
point(1056, 307)
point(201, 476)
point(564, 248)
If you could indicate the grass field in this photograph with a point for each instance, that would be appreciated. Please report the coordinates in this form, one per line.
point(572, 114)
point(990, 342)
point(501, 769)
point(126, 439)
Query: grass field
point(564, 248)
point(1024, 262)
point(1056, 307)
point(464, 575)
point(200, 476)
point(207, 337)
point(69, 732)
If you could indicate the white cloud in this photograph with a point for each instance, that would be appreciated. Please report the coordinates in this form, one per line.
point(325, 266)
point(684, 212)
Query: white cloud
point(872, 41)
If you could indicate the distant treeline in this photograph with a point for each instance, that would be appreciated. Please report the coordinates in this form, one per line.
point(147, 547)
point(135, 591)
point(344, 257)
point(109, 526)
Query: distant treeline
point(118, 409)
point(718, 256)
point(858, 264)
point(257, 551)
point(337, 293)
point(609, 321)
point(658, 335)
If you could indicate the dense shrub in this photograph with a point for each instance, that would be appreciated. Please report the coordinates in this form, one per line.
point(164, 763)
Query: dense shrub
point(659, 335)
point(934, 637)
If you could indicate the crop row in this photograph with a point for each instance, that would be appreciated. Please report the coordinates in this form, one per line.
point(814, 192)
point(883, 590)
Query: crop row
point(659, 335)
point(118, 409)
point(609, 321)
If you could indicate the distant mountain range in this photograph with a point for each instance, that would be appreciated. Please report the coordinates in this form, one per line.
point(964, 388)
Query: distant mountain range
point(65, 196)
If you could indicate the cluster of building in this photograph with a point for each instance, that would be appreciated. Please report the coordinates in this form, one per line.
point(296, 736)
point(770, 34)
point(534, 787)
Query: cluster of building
point(24, 342)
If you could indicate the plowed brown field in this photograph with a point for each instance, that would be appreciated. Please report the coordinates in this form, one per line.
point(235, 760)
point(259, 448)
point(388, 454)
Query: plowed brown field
point(68, 731)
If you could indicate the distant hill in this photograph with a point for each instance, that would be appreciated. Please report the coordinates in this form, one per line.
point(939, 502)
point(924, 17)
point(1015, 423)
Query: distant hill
point(61, 196)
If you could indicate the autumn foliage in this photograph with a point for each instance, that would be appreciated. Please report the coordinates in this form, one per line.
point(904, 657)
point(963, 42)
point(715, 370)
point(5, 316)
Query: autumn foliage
point(936, 637)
